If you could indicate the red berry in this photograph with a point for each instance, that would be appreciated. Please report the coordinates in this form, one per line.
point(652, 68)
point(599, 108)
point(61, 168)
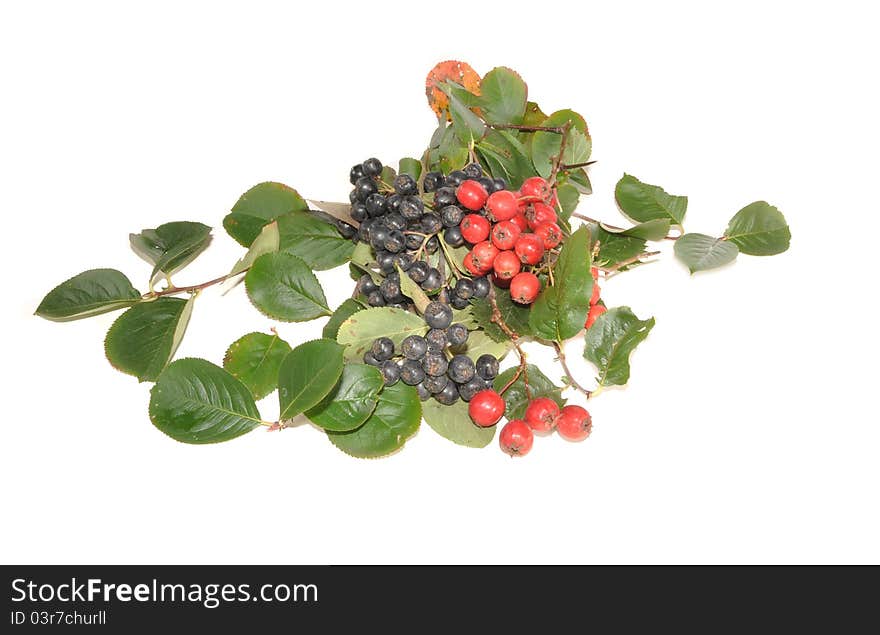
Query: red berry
point(595, 311)
point(504, 234)
point(520, 221)
point(596, 292)
point(550, 234)
point(524, 287)
point(502, 205)
point(535, 187)
point(506, 265)
point(529, 248)
point(539, 214)
point(501, 283)
point(486, 408)
point(516, 438)
point(541, 414)
point(471, 195)
point(474, 228)
point(594, 271)
point(574, 423)
point(484, 255)
point(470, 266)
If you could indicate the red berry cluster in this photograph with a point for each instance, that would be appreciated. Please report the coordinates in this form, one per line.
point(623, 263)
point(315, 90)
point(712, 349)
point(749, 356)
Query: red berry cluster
point(596, 309)
point(509, 231)
point(573, 423)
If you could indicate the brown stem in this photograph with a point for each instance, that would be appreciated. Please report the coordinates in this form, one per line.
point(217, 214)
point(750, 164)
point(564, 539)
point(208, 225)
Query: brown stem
point(557, 161)
point(498, 319)
point(629, 261)
point(574, 166)
point(613, 227)
point(511, 126)
point(194, 287)
point(571, 380)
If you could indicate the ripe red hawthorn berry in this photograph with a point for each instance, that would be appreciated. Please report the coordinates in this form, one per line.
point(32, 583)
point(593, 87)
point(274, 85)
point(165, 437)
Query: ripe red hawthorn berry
point(535, 187)
point(475, 228)
point(595, 311)
point(504, 234)
point(520, 221)
point(484, 255)
point(486, 408)
point(529, 248)
point(502, 205)
point(596, 293)
point(470, 266)
point(524, 287)
point(538, 214)
point(550, 234)
point(472, 195)
point(594, 271)
point(506, 265)
point(516, 438)
point(541, 414)
point(574, 423)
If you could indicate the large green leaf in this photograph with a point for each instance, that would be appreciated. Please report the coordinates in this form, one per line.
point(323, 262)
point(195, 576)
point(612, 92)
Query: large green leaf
point(546, 145)
point(479, 343)
point(143, 340)
point(569, 197)
point(359, 331)
point(307, 375)
point(454, 423)
point(317, 242)
point(643, 202)
point(259, 205)
point(516, 398)
point(86, 294)
point(611, 339)
point(701, 252)
point(283, 287)
point(408, 165)
point(195, 401)
point(395, 419)
point(560, 311)
point(656, 229)
point(254, 360)
point(507, 157)
point(465, 124)
point(170, 247)
point(340, 315)
point(615, 248)
point(503, 96)
point(266, 243)
point(759, 229)
point(516, 316)
point(351, 402)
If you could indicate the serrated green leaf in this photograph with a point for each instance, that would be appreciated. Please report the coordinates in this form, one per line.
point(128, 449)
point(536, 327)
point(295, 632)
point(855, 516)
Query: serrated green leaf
point(759, 229)
point(503, 96)
point(359, 331)
point(395, 419)
point(170, 247)
point(581, 180)
point(195, 401)
point(642, 202)
point(143, 340)
point(701, 252)
point(315, 241)
point(351, 402)
point(254, 360)
point(479, 343)
point(516, 398)
point(452, 153)
point(283, 287)
point(413, 291)
point(656, 229)
point(340, 315)
point(610, 341)
point(408, 165)
point(307, 375)
point(546, 145)
point(259, 205)
point(516, 316)
point(266, 243)
point(454, 423)
point(86, 294)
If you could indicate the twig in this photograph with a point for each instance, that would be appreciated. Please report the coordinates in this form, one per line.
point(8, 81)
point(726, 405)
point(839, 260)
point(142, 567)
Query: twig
point(558, 160)
point(572, 381)
point(612, 227)
point(629, 261)
point(192, 288)
point(511, 126)
point(574, 166)
point(498, 319)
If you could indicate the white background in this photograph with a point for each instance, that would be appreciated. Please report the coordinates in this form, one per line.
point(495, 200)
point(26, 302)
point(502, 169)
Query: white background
point(749, 430)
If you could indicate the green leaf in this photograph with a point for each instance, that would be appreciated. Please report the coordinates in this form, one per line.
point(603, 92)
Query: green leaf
point(516, 397)
point(560, 311)
point(569, 197)
point(759, 229)
point(614, 248)
point(479, 343)
point(656, 229)
point(452, 153)
point(143, 340)
point(610, 341)
point(395, 419)
point(533, 116)
point(413, 291)
point(315, 241)
point(643, 202)
point(503, 96)
point(507, 157)
point(170, 247)
point(86, 294)
point(465, 124)
point(362, 258)
point(266, 243)
point(259, 205)
point(545, 145)
point(351, 402)
point(254, 360)
point(307, 375)
point(410, 166)
point(516, 316)
point(581, 180)
point(340, 315)
point(359, 331)
point(454, 423)
point(195, 401)
point(701, 252)
point(283, 287)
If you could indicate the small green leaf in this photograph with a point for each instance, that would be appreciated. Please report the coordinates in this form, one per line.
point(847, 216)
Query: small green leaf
point(452, 153)
point(643, 202)
point(395, 419)
point(259, 205)
point(614, 248)
point(759, 229)
point(362, 258)
point(533, 116)
point(545, 145)
point(351, 402)
point(507, 157)
point(283, 287)
point(701, 252)
point(581, 180)
point(516, 316)
point(478, 343)
point(195, 401)
point(467, 126)
point(170, 247)
point(610, 341)
point(656, 229)
point(410, 166)
point(569, 197)
point(503, 96)
point(413, 291)
point(307, 375)
point(266, 243)
point(315, 241)
point(388, 175)
point(143, 340)
point(254, 360)
point(359, 331)
point(516, 398)
point(454, 423)
point(86, 294)
point(340, 315)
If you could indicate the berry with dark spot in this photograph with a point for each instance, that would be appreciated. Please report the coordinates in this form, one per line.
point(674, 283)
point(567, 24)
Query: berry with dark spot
point(432, 181)
point(438, 315)
point(461, 369)
point(487, 366)
point(414, 347)
point(404, 184)
point(433, 281)
point(464, 288)
point(457, 334)
point(473, 170)
point(411, 372)
point(451, 215)
point(435, 364)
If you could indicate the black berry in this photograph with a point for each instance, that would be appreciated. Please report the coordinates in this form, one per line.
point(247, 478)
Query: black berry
point(435, 364)
point(372, 167)
point(451, 215)
point(405, 185)
point(487, 366)
point(365, 187)
point(411, 372)
point(435, 384)
point(473, 170)
point(433, 281)
point(449, 395)
point(356, 172)
point(457, 334)
point(436, 339)
point(438, 315)
point(382, 349)
point(453, 237)
point(414, 347)
point(461, 369)
point(464, 288)
point(481, 287)
point(390, 372)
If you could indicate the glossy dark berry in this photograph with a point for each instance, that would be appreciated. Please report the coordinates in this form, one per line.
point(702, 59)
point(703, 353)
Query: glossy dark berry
point(444, 196)
point(353, 196)
point(395, 220)
point(376, 205)
point(481, 287)
point(385, 260)
point(375, 299)
point(393, 202)
point(382, 349)
point(365, 187)
point(436, 339)
point(411, 372)
point(432, 245)
point(359, 211)
point(396, 241)
point(455, 178)
point(372, 167)
point(404, 261)
point(432, 181)
point(431, 223)
point(412, 208)
point(438, 315)
point(390, 289)
point(451, 215)
point(487, 183)
point(473, 170)
point(457, 334)
point(405, 185)
point(461, 369)
point(378, 235)
point(435, 383)
point(449, 395)
point(370, 359)
point(346, 230)
point(424, 393)
point(414, 347)
point(414, 241)
point(365, 229)
point(435, 364)
point(499, 184)
point(464, 288)
point(458, 303)
point(390, 372)
point(433, 281)
point(453, 237)
point(475, 385)
point(366, 285)
point(356, 172)
point(419, 271)
point(487, 367)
